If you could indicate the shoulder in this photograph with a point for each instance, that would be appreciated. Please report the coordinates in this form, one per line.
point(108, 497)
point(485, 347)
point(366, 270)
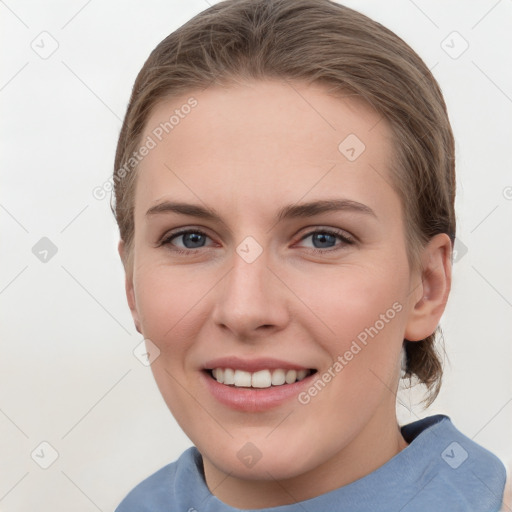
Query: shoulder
point(156, 493)
point(457, 468)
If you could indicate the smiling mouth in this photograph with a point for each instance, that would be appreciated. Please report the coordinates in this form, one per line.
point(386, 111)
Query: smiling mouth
point(262, 379)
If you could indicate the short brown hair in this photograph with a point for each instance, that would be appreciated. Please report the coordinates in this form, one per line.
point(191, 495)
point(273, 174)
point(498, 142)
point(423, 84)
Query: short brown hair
point(313, 41)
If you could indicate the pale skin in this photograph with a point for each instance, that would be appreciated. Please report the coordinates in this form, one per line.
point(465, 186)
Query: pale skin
point(247, 151)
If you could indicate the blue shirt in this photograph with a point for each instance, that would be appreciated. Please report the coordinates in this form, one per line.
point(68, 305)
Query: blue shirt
point(440, 470)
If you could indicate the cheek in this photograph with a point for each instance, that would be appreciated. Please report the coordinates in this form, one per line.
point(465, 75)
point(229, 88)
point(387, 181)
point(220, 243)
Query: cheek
point(345, 302)
point(169, 301)
point(361, 329)
point(362, 324)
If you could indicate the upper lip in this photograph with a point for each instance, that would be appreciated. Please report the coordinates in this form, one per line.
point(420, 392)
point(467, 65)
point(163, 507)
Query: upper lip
point(252, 365)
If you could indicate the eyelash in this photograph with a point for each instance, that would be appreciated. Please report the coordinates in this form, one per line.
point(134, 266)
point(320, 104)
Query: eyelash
point(347, 241)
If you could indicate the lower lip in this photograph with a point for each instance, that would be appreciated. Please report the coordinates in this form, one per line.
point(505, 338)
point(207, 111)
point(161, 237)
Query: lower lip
point(252, 399)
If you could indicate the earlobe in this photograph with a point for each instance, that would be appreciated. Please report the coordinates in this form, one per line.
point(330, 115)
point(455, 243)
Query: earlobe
point(435, 287)
point(129, 289)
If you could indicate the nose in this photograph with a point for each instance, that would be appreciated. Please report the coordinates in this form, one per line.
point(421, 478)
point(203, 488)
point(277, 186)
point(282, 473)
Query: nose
point(251, 301)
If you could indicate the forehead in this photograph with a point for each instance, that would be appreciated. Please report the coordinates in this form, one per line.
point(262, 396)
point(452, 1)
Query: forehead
point(261, 142)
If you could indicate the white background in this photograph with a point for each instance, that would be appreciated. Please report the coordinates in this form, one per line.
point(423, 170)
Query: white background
point(68, 375)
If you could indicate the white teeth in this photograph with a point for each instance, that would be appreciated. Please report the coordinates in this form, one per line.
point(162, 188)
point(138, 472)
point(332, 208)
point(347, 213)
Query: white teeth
point(229, 376)
point(242, 379)
point(259, 379)
point(278, 377)
point(302, 374)
point(291, 376)
point(218, 373)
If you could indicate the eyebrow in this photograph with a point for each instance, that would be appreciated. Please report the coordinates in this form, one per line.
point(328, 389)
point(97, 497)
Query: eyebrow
point(287, 212)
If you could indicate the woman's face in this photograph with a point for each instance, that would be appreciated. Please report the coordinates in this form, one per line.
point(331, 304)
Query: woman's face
point(295, 259)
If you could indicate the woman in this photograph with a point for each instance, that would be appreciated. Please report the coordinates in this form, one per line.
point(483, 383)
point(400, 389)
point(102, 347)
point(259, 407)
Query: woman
point(285, 188)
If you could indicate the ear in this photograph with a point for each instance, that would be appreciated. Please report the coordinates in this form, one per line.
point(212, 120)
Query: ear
point(130, 294)
point(432, 292)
